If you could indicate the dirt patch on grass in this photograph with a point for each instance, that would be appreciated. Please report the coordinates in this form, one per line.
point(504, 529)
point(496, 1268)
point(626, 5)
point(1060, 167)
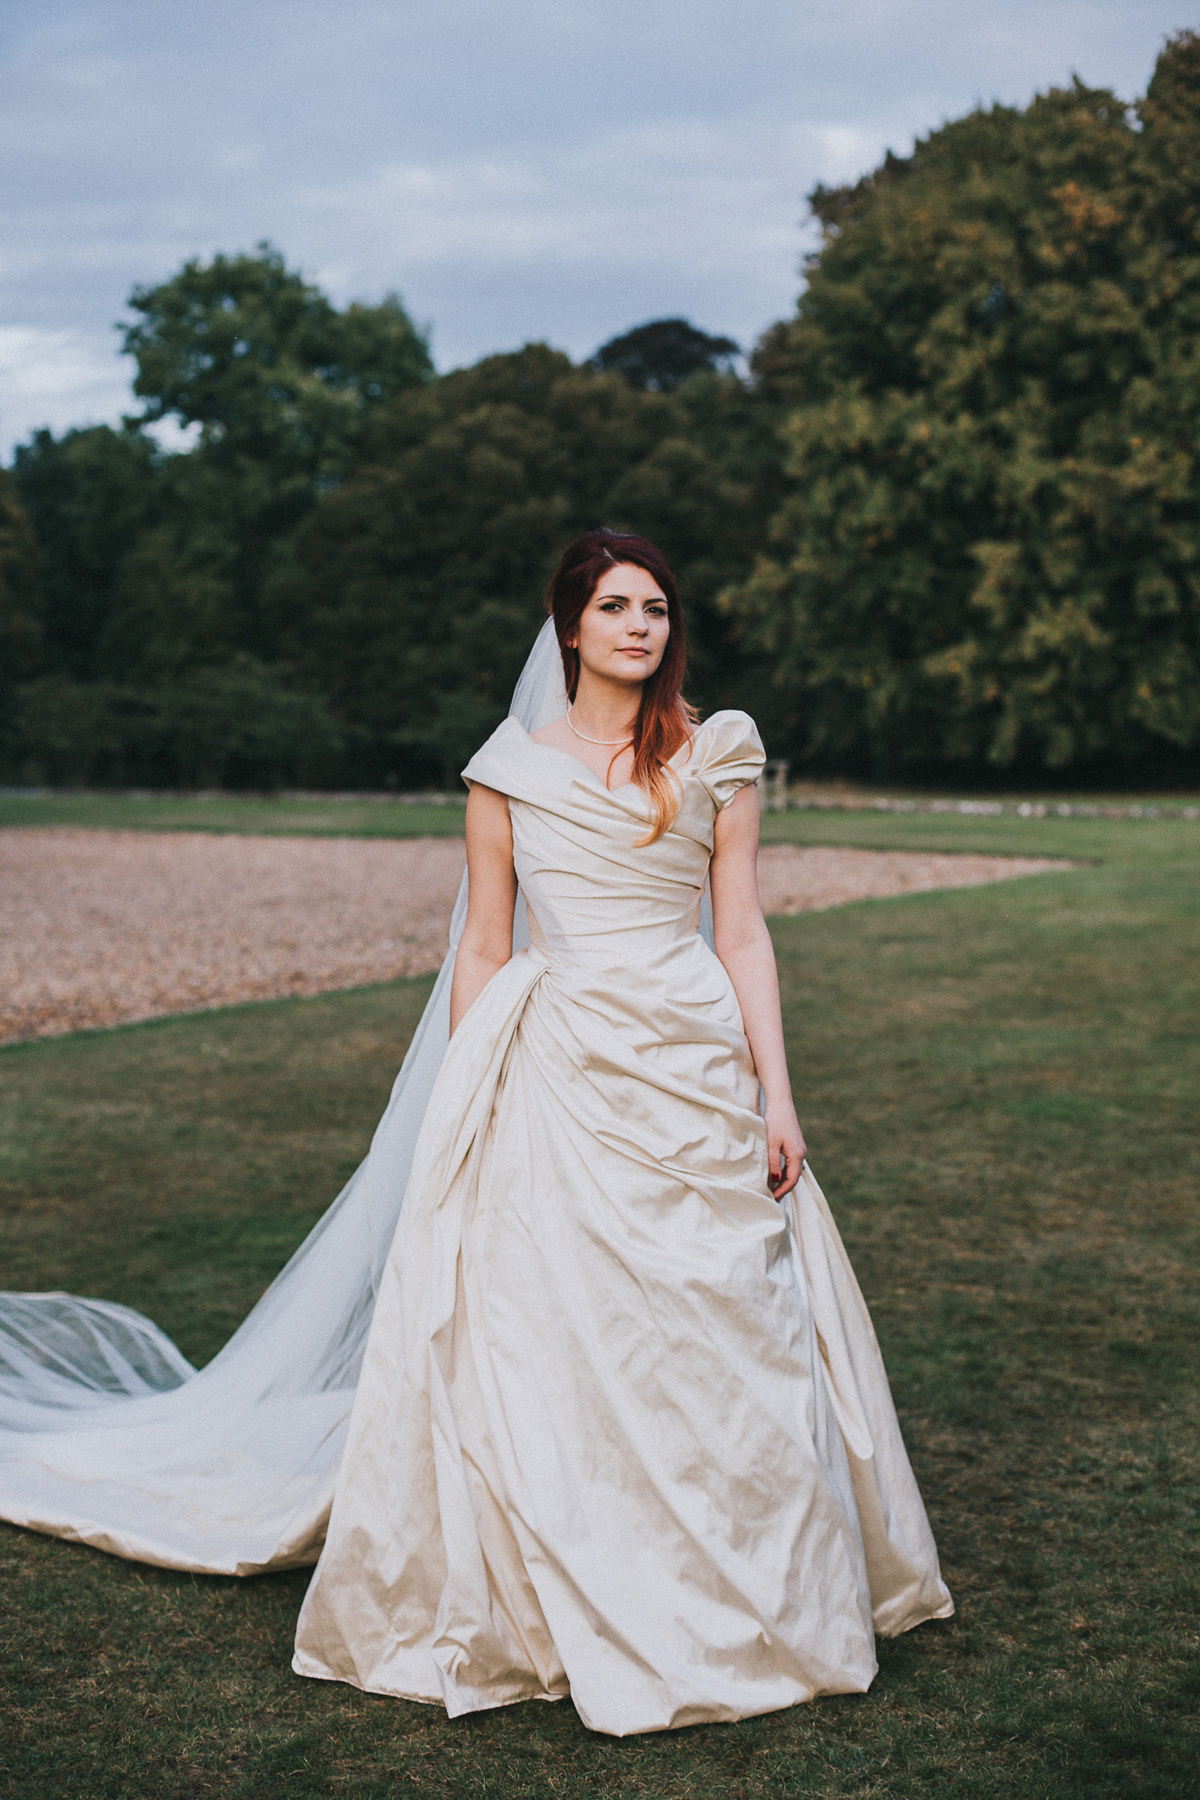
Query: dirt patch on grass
point(106, 927)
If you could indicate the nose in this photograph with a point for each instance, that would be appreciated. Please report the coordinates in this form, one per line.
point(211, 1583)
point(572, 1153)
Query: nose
point(638, 627)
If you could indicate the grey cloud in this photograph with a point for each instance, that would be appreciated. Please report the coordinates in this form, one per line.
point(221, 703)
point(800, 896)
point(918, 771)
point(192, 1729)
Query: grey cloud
point(515, 168)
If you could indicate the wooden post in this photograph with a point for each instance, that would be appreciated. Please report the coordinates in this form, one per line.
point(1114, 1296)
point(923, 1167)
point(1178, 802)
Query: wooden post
point(774, 786)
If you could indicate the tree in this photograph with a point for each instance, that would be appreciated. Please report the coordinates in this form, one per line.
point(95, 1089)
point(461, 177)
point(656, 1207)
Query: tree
point(263, 362)
point(156, 661)
point(88, 496)
point(661, 356)
point(990, 549)
point(20, 627)
point(280, 384)
point(351, 554)
point(414, 592)
point(136, 564)
point(231, 725)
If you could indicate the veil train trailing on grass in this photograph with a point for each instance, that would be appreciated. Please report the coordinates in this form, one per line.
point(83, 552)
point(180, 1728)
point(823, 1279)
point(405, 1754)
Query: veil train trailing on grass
point(109, 1436)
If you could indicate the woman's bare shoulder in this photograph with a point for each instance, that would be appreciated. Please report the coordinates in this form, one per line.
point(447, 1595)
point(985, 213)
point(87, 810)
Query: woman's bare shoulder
point(555, 733)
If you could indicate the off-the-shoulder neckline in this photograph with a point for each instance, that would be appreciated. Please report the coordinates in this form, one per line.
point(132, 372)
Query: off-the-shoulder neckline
point(622, 786)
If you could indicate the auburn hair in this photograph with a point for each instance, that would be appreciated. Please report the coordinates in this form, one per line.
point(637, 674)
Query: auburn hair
point(665, 720)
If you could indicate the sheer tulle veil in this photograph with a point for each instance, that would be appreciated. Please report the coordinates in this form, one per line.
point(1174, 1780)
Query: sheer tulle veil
point(107, 1433)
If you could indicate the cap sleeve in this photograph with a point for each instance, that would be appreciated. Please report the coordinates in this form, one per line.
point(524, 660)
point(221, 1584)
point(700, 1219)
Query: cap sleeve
point(499, 763)
point(729, 755)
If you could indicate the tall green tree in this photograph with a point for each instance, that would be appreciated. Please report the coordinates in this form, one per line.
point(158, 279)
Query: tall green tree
point(279, 384)
point(262, 361)
point(991, 548)
point(155, 659)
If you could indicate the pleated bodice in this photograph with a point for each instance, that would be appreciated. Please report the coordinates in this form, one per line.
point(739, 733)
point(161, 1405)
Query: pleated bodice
point(599, 897)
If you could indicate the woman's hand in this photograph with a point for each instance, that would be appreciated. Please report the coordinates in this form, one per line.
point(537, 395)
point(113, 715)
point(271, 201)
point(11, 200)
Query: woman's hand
point(785, 1147)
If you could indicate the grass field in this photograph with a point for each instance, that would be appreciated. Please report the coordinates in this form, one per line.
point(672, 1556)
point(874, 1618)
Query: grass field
point(311, 816)
point(999, 1087)
point(331, 815)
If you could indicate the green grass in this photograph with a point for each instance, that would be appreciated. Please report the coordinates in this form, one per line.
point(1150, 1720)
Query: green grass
point(1120, 842)
point(999, 1087)
point(318, 815)
point(310, 816)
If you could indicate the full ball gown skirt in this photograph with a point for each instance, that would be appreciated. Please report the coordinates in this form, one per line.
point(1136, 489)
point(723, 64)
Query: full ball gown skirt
point(622, 1430)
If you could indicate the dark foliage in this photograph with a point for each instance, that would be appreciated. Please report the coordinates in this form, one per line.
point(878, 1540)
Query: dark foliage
point(413, 593)
point(951, 518)
point(661, 356)
point(148, 655)
point(249, 351)
point(990, 550)
point(89, 496)
point(20, 626)
point(234, 724)
point(21, 630)
point(340, 579)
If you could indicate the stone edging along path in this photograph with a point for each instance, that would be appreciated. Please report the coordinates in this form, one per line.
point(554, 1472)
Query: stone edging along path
point(1021, 809)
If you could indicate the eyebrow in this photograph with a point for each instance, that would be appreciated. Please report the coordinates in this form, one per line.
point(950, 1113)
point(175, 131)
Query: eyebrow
point(651, 599)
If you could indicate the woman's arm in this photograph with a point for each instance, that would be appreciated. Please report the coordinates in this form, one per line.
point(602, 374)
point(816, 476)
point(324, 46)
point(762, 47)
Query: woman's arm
point(743, 943)
point(486, 942)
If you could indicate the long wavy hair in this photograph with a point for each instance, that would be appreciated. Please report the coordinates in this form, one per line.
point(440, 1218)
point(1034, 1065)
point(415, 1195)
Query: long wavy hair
point(665, 720)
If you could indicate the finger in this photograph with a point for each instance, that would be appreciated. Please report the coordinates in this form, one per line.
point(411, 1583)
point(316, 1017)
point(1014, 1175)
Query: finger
point(792, 1164)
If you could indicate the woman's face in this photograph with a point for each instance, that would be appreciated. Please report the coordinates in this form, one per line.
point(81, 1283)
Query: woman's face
point(623, 630)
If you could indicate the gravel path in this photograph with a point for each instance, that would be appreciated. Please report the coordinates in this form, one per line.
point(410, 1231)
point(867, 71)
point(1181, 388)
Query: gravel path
point(791, 880)
point(103, 927)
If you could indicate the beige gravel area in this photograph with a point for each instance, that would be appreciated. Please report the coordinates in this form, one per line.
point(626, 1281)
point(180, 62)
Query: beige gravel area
point(104, 927)
point(101, 927)
point(791, 880)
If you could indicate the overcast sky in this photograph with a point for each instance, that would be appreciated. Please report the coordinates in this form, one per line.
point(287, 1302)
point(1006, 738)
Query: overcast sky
point(515, 169)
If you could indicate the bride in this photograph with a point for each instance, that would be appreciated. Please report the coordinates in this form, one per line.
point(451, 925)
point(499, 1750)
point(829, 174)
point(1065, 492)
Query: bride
point(599, 1410)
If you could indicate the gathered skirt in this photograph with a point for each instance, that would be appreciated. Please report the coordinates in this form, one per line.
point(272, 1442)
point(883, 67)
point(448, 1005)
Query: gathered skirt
point(623, 1430)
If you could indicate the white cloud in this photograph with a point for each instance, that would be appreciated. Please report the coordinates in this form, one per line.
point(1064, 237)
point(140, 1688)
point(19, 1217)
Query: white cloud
point(58, 378)
point(844, 152)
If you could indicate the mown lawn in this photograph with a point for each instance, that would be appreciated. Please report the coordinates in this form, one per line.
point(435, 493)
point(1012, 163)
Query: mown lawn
point(308, 816)
point(333, 815)
point(999, 1087)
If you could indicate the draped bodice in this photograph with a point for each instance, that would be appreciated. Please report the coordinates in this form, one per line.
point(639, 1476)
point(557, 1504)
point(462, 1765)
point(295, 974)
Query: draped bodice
point(598, 898)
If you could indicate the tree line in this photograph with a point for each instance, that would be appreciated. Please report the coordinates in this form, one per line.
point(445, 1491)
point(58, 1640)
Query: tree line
point(943, 519)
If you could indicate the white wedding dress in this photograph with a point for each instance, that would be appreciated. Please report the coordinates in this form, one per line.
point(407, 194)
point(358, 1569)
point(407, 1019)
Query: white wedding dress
point(622, 1429)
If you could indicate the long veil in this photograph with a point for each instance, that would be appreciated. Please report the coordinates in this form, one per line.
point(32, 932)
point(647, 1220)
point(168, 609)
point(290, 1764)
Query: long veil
point(107, 1433)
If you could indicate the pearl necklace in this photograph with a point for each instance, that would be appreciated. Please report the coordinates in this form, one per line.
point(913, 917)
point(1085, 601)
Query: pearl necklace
point(607, 743)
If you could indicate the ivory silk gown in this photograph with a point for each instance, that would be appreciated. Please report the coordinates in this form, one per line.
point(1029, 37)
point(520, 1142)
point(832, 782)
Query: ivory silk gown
point(622, 1431)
